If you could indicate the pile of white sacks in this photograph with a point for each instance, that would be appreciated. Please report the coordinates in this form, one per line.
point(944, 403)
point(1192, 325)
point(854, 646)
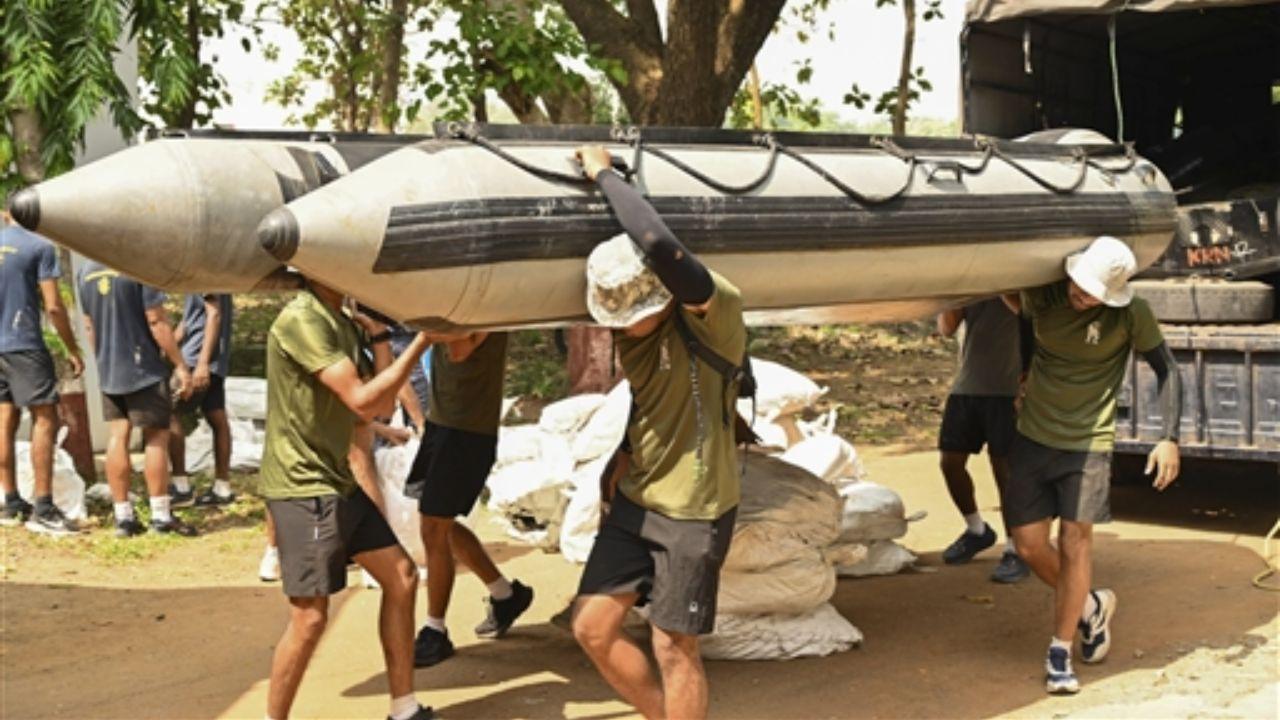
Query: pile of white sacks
point(807, 515)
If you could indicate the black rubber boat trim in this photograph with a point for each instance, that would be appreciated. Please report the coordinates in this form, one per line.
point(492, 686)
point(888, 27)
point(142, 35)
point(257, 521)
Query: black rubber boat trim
point(455, 234)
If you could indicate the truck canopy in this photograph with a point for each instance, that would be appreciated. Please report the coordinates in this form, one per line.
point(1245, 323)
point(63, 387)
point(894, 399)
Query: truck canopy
point(1197, 81)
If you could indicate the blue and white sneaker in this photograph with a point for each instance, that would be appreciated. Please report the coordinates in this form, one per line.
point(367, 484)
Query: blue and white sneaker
point(1060, 679)
point(1095, 630)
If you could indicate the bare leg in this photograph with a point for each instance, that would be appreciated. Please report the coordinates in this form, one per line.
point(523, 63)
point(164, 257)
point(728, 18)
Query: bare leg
point(468, 549)
point(271, 531)
point(959, 482)
point(44, 430)
point(597, 626)
point(684, 680)
point(1075, 545)
point(1000, 471)
point(177, 447)
point(117, 465)
point(156, 465)
point(221, 443)
point(8, 435)
point(307, 618)
point(398, 578)
point(440, 566)
point(1032, 543)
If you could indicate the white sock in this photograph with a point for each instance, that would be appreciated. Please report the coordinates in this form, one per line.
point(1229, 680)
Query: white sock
point(436, 623)
point(403, 707)
point(272, 551)
point(1090, 606)
point(160, 509)
point(1064, 644)
point(181, 483)
point(124, 511)
point(499, 589)
point(1009, 547)
point(222, 488)
point(974, 522)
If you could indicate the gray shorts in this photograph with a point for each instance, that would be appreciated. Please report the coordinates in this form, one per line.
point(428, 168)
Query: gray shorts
point(1046, 482)
point(318, 537)
point(148, 408)
point(674, 565)
point(28, 377)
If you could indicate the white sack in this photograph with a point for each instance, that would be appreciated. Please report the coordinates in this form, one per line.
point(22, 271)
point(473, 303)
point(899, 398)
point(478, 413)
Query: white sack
point(603, 432)
point(884, 557)
point(796, 586)
point(246, 398)
point(68, 487)
point(530, 493)
point(246, 446)
point(518, 443)
point(393, 464)
point(830, 457)
point(780, 433)
point(817, 633)
point(568, 416)
point(871, 512)
point(582, 515)
point(785, 512)
point(779, 391)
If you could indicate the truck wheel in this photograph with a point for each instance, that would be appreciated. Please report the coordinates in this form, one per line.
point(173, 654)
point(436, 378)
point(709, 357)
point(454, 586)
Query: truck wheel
point(1207, 301)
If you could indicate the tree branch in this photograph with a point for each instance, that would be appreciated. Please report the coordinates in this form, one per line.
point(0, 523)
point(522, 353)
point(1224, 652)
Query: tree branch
point(626, 40)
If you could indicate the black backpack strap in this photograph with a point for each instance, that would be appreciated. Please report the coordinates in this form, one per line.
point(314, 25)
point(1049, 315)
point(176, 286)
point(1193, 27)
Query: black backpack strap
point(728, 371)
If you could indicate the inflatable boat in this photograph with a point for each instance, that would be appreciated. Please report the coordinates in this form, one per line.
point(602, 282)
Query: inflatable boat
point(181, 211)
point(489, 226)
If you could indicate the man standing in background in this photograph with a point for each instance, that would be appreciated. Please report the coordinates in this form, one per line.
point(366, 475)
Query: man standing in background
point(29, 274)
point(205, 336)
point(131, 336)
point(979, 412)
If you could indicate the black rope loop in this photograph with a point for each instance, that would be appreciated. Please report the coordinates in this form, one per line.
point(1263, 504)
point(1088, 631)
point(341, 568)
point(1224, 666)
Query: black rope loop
point(851, 193)
point(633, 137)
point(458, 131)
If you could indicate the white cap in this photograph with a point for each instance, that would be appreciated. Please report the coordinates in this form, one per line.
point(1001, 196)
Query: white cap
point(1103, 270)
point(621, 290)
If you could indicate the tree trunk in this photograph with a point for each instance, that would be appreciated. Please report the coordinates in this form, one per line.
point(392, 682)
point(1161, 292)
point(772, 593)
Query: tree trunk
point(904, 71)
point(388, 111)
point(590, 364)
point(28, 139)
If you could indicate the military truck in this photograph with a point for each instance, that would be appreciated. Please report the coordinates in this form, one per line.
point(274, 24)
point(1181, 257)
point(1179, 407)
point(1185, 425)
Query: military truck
point(1195, 86)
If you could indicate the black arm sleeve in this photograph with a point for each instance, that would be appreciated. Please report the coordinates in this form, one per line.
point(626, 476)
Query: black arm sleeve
point(1026, 342)
point(1169, 387)
point(678, 269)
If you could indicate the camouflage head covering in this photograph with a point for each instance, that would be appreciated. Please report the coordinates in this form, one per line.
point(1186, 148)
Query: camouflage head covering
point(621, 291)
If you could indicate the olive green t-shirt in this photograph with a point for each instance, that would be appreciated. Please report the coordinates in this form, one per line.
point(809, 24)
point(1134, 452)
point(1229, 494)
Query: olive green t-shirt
point(467, 395)
point(308, 427)
point(1078, 367)
point(666, 473)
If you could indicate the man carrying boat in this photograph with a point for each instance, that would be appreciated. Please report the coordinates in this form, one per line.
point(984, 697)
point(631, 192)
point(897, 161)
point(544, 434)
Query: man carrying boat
point(1060, 461)
point(322, 519)
point(459, 445)
point(671, 518)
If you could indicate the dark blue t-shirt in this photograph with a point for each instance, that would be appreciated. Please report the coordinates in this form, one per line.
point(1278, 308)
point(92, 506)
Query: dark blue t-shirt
point(25, 260)
point(128, 357)
point(194, 319)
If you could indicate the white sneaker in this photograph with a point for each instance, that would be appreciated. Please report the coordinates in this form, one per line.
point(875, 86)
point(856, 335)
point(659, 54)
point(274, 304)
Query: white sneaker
point(269, 568)
point(367, 580)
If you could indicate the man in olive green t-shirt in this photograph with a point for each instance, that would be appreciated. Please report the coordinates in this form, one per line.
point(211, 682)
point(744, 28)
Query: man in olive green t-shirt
point(670, 521)
point(323, 520)
point(1060, 462)
point(459, 444)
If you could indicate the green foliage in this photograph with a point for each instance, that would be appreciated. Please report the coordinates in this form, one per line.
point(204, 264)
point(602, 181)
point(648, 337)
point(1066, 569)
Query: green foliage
point(56, 63)
point(782, 105)
point(887, 101)
point(535, 367)
point(182, 88)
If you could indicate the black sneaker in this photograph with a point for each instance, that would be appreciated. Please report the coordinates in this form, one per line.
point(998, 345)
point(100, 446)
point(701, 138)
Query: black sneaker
point(129, 528)
point(1011, 569)
point(180, 499)
point(209, 498)
point(503, 613)
point(967, 545)
point(15, 512)
point(431, 647)
point(423, 713)
point(51, 521)
point(174, 526)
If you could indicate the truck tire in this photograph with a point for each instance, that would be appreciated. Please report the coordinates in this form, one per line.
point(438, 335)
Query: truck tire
point(1207, 301)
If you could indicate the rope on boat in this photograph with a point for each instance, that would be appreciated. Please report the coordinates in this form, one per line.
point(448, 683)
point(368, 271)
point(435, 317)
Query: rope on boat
point(632, 137)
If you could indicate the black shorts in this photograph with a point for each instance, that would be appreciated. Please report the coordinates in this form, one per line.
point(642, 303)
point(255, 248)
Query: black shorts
point(674, 565)
point(212, 399)
point(318, 537)
point(28, 377)
point(1046, 482)
point(148, 408)
point(450, 469)
point(971, 421)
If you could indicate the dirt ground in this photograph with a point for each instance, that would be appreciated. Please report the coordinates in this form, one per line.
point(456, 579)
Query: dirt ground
point(185, 629)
